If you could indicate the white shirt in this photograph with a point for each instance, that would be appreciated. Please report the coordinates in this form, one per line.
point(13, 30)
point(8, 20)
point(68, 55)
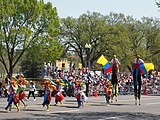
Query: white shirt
point(115, 60)
point(32, 87)
point(139, 61)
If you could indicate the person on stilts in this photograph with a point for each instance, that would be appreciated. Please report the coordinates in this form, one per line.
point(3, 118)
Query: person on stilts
point(115, 70)
point(137, 73)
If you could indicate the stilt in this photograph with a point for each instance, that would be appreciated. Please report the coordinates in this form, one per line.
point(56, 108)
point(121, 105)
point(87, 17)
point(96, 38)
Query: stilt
point(139, 102)
point(116, 98)
point(135, 102)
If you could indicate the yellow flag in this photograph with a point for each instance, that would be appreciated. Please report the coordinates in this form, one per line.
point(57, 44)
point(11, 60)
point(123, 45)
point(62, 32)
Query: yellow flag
point(149, 66)
point(102, 60)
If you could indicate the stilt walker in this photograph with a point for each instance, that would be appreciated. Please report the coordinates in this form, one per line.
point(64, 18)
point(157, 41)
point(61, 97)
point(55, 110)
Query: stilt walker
point(137, 72)
point(115, 70)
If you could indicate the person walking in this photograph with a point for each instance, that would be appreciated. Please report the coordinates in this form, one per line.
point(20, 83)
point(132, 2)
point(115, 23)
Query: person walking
point(32, 90)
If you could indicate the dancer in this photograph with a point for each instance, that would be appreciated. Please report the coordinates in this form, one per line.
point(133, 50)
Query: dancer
point(137, 72)
point(58, 96)
point(21, 86)
point(13, 97)
point(80, 96)
point(47, 95)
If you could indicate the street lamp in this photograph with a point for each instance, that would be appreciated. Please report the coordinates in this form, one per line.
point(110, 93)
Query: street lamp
point(88, 47)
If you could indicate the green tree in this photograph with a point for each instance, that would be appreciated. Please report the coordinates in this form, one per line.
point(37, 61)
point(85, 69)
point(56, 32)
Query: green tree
point(89, 28)
point(152, 43)
point(25, 24)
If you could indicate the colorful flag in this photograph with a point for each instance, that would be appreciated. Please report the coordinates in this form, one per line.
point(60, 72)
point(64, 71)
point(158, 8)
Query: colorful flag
point(109, 69)
point(102, 60)
point(146, 67)
point(149, 66)
point(106, 65)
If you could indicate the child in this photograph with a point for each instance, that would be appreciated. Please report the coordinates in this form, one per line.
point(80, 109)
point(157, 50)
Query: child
point(108, 91)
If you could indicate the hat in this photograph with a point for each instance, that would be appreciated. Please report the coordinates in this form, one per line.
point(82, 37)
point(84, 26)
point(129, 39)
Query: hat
point(12, 81)
point(57, 80)
point(114, 56)
point(46, 82)
point(138, 56)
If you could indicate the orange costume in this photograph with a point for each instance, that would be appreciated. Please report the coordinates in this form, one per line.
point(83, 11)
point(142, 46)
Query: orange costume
point(13, 96)
point(108, 90)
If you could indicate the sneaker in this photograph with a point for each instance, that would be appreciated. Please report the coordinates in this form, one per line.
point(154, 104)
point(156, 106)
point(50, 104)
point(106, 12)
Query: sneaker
point(34, 100)
point(107, 104)
point(55, 105)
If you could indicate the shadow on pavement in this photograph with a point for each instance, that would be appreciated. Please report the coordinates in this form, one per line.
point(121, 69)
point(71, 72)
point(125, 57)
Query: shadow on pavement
point(92, 116)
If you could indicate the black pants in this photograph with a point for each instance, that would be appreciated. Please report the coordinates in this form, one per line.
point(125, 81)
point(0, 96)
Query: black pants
point(137, 83)
point(31, 92)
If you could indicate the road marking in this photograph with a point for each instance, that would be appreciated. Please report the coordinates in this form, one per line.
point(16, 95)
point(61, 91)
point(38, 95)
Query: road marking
point(153, 103)
point(115, 117)
point(65, 111)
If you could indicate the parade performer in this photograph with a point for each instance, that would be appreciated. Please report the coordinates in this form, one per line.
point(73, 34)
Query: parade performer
point(115, 69)
point(21, 86)
point(47, 95)
point(58, 96)
point(108, 92)
point(80, 96)
point(137, 72)
point(13, 97)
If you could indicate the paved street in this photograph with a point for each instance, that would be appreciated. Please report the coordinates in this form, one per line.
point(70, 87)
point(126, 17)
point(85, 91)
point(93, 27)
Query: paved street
point(94, 109)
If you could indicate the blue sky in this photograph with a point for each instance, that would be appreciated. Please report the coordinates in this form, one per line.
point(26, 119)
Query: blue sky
point(135, 8)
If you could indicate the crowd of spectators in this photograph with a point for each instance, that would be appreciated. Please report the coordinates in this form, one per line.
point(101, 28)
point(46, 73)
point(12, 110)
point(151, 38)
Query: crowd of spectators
point(94, 84)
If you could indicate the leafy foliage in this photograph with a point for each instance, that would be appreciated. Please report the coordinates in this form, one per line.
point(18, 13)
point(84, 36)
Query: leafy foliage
point(112, 34)
point(25, 24)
